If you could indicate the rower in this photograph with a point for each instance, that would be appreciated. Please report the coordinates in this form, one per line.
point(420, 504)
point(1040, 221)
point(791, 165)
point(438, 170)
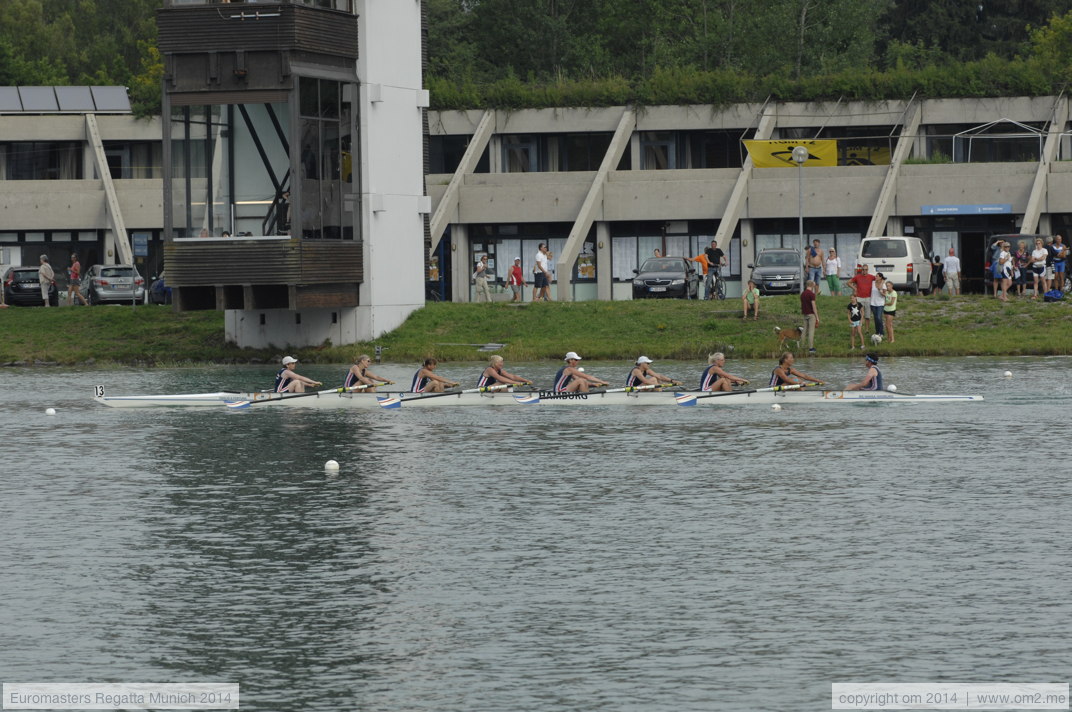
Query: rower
point(425, 379)
point(643, 375)
point(571, 379)
point(360, 375)
point(496, 375)
point(715, 378)
point(290, 381)
point(873, 380)
point(785, 375)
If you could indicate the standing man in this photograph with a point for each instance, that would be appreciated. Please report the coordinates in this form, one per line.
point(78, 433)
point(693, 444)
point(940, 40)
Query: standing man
point(862, 281)
point(74, 277)
point(716, 258)
point(517, 280)
point(541, 285)
point(46, 277)
point(951, 270)
point(815, 262)
point(480, 277)
point(810, 310)
point(877, 302)
point(1060, 252)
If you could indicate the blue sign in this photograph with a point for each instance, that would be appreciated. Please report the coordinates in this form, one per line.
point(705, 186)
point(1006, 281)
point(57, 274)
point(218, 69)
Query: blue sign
point(981, 209)
point(141, 244)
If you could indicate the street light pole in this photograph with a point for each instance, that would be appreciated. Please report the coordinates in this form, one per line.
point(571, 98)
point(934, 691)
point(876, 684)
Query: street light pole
point(800, 157)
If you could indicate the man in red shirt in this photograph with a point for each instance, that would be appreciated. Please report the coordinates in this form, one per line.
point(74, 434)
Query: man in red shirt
point(810, 310)
point(517, 280)
point(862, 281)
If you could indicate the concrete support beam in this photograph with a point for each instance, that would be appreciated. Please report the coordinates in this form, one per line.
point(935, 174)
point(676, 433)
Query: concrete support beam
point(604, 273)
point(1040, 186)
point(619, 143)
point(884, 205)
point(119, 242)
point(447, 210)
point(461, 267)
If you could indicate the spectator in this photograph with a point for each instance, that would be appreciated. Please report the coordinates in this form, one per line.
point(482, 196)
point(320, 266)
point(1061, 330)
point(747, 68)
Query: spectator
point(1060, 254)
point(814, 262)
point(1038, 267)
point(705, 266)
point(480, 278)
point(863, 281)
point(46, 277)
point(877, 302)
point(74, 281)
point(1005, 267)
point(855, 311)
point(937, 276)
point(716, 258)
point(810, 310)
point(750, 300)
point(833, 267)
point(889, 309)
point(1020, 261)
point(951, 270)
point(517, 280)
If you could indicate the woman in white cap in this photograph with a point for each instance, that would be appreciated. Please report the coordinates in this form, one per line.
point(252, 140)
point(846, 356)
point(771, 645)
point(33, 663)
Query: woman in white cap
point(643, 375)
point(290, 381)
point(571, 379)
point(517, 280)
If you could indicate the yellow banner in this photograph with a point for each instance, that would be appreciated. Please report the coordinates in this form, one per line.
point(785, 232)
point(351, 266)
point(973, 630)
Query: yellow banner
point(779, 154)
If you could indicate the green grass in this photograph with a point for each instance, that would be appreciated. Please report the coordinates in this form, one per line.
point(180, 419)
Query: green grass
point(662, 329)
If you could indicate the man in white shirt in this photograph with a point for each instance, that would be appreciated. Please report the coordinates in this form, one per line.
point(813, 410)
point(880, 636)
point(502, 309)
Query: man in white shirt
point(541, 285)
point(951, 270)
point(480, 278)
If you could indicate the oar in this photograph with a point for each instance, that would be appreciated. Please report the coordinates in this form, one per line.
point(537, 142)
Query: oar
point(627, 389)
point(240, 405)
point(690, 399)
point(396, 401)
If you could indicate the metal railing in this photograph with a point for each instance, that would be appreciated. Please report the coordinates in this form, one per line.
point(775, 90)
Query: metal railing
point(340, 5)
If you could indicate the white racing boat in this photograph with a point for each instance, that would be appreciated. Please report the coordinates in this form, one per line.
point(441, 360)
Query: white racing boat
point(340, 398)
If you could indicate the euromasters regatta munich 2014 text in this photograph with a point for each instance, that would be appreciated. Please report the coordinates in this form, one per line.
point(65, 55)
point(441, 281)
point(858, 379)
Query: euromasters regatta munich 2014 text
point(102, 698)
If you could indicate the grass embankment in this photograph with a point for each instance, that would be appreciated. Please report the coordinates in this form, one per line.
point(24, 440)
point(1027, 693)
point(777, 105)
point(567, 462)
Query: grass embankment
point(661, 329)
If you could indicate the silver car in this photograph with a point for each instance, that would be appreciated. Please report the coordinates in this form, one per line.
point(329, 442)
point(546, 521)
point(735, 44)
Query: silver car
point(113, 283)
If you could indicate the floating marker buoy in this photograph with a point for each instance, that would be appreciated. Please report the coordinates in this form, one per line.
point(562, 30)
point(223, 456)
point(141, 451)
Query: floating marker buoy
point(1008, 374)
point(331, 465)
point(776, 407)
point(50, 411)
point(581, 369)
point(891, 388)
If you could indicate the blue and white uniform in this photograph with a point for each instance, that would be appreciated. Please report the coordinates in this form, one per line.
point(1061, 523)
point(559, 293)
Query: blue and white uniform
point(281, 381)
point(708, 378)
point(351, 379)
point(487, 381)
point(562, 380)
point(876, 382)
point(419, 383)
point(632, 381)
point(776, 380)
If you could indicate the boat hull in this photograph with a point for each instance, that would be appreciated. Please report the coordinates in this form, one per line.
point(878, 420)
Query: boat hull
point(395, 400)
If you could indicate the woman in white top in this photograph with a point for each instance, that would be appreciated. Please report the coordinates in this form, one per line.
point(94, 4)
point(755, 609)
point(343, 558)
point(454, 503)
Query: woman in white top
point(1038, 267)
point(833, 268)
point(1005, 264)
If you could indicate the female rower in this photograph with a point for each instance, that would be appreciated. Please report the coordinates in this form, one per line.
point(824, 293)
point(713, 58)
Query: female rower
point(360, 375)
point(290, 381)
point(496, 375)
point(571, 379)
point(873, 380)
point(715, 378)
point(643, 375)
point(425, 379)
point(785, 375)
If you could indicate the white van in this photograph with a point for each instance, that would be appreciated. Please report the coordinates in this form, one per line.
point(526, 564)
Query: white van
point(903, 260)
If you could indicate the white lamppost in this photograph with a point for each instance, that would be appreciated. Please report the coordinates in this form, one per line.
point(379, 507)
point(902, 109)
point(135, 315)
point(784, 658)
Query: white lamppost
point(800, 157)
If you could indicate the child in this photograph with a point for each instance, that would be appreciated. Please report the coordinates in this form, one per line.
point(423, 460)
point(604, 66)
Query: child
point(856, 312)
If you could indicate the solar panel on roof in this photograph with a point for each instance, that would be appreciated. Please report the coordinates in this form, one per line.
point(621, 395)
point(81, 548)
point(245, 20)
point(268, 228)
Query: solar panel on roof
point(9, 99)
point(75, 98)
point(111, 98)
point(38, 99)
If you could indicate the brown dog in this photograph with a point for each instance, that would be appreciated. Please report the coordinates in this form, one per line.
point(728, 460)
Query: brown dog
point(792, 334)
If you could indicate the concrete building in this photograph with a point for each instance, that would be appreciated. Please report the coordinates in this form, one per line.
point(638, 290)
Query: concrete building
point(606, 187)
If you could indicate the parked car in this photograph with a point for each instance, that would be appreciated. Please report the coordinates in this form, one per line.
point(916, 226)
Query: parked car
point(159, 292)
point(777, 271)
point(23, 288)
point(666, 277)
point(113, 283)
point(902, 260)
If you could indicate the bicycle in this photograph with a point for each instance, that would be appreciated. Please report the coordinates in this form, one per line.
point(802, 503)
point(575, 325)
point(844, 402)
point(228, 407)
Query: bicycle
point(718, 288)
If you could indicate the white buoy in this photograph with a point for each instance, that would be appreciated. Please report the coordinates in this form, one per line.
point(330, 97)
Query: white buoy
point(1008, 374)
point(50, 411)
point(331, 465)
point(581, 369)
point(776, 407)
point(891, 388)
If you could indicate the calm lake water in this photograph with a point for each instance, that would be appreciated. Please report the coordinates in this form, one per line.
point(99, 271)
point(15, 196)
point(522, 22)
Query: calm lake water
point(494, 560)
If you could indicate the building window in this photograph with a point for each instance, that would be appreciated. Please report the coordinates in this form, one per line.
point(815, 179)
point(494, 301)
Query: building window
point(41, 160)
point(658, 151)
point(520, 154)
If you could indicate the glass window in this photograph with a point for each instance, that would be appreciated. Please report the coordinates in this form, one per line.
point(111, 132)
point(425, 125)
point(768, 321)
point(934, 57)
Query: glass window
point(42, 160)
point(658, 151)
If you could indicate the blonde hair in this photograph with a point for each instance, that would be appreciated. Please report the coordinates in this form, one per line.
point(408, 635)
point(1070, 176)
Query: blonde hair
point(712, 358)
point(495, 359)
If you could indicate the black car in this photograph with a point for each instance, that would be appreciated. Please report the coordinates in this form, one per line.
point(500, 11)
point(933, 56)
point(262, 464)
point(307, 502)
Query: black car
point(777, 271)
point(666, 277)
point(23, 288)
point(159, 292)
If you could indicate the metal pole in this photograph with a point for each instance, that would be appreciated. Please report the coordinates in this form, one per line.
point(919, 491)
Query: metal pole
point(800, 157)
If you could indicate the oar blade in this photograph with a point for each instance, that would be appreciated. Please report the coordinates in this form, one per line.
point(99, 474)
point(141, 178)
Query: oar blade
point(389, 402)
point(528, 398)
point(237, 405)
point(685, 399)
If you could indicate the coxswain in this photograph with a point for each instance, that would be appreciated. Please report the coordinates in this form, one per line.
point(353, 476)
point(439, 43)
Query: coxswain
point(571, 379)
point(496, 375)
point(360, 375)
point(290, 381)
point(643, 375)
point(785, 375)
point(425, 379)
point(715, 378)
point(873, 380)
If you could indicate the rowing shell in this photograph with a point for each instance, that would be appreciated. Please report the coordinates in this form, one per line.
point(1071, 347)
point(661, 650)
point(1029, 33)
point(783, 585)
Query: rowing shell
point(396, 399)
